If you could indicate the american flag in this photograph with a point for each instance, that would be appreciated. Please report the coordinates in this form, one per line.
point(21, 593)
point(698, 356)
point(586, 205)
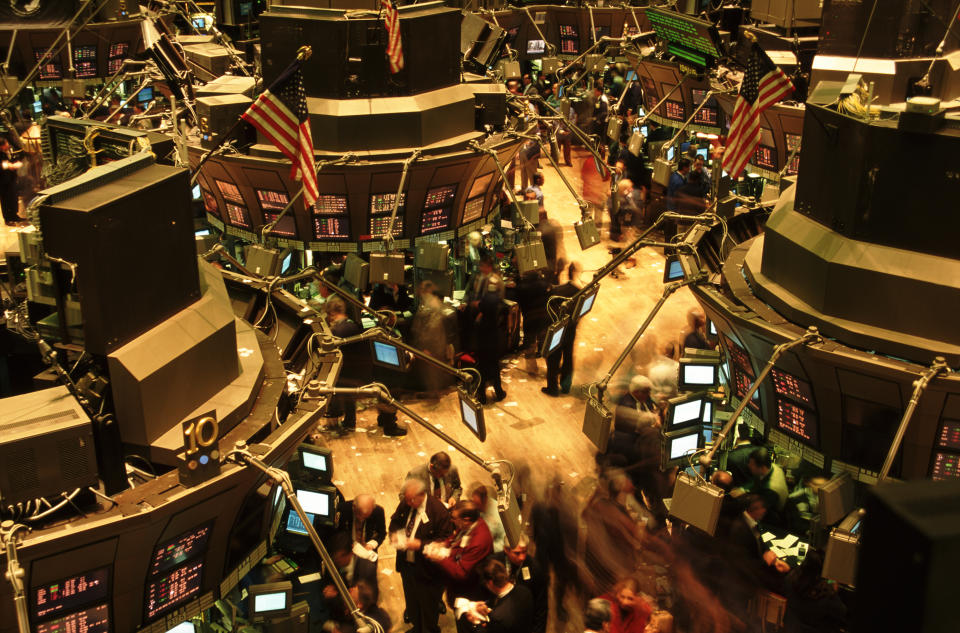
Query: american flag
point(763, 85)
point(391, 18)
point(280, 113)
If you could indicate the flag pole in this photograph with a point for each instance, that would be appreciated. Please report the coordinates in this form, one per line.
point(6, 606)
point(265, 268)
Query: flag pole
point(303, 54)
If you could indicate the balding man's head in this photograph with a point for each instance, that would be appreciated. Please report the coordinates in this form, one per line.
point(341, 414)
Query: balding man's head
point(363, 506)
point(414, 491)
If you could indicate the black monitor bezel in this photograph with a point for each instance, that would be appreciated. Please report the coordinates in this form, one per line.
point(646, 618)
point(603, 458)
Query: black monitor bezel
point(669, 425)
point(477, 408)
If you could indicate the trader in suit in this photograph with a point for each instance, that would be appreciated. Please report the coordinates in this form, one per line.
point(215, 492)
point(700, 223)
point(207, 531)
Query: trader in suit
point(441, 478)
point(419, 519)
point(470, 545)
point(352, 569)
point(525, 571)
point(364, 521)
point(357, 367)
point(509, 607)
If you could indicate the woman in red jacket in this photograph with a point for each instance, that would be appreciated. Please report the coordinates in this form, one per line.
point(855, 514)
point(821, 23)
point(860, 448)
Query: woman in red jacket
point(630, 612)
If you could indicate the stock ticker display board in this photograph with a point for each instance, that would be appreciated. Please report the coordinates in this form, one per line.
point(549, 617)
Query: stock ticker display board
point(169, 590)
point(797, 421)
point(175, 551)
point(85, 61)
point(331, 220)
point(437, 209)
point(673, 110)
point(792, 387)
point(93, 620)
point(66, 595)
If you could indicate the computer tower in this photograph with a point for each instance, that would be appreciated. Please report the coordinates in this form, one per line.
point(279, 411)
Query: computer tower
point(587, 233)
point(217, 116)
point(46, 446)
point(386, 268)
point(530, 257)
point(431, 255)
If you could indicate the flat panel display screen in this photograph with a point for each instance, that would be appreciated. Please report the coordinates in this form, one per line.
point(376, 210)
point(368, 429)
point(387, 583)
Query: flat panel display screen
point(738, 355)
point(673, 110)
point(386, 353)
point(237, 215)
point(314, 502)
point(699, 374)
point(382, 203)
point(295, 525)
point(380, 223)
point(331, 220)
point(85, 61)
point(473, 209)
point(790, 386)
point(765, 157)
point(949, 436)
point(50, 67)
point(945, 466)
point(272, 200)
point(229, 191)
point(437, 209)
point(480, 185)
point(686, 31)
point(569, 39)
point(797, 421)
point(286, 227)
point(536, 47)
point(210, 204)
point(66, 595)
point(178, 586)
point(180, 549)
point(93, 620)
point(707, 115)
point(469, 416)
point(115, 56)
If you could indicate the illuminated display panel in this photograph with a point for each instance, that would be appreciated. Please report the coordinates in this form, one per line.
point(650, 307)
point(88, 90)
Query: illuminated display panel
point(210, 203)
point(945, 466)
point(685, 31)
point(707, 115)
point(331, 220)
point(116, 55)
point(85, 61)
point(50, 69)
point(237, 215)
point(673, 110)
point(93, 620)
point(67, 595)
point(737, 355)
point(272, 200)
point(330, 204)
point(569, 39)
point(949, 436)
point(437, 209)
point(331, 228)
point(797, 421)
point(167, 591)
point(381, 203)
point(178, 550)
point(741, 385)
point(763, 157)
point(229, 191)
point(601, 31)
point(698, 95)
point(380, 223)
point(473, 209)
point(479, 186)
point(791, 387)
point(286, 227)
point(793, 142)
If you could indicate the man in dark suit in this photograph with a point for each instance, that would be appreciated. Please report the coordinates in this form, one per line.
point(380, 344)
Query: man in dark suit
point(470, 545)
point(352, 569)
point(508, 610)
point(364, 521)
point(419, 519)
point(526, 572)
point(441, 478)
point(560, 362)
point(357, 369)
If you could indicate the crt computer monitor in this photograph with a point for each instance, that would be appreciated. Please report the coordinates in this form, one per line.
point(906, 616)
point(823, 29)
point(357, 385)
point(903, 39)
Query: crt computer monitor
point(685, 412)
point(698, 375)
point(316, 460)
point(319, 502)
point(270, 600)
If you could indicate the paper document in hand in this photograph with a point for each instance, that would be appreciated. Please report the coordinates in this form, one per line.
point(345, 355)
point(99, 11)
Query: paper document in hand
point(363, 552)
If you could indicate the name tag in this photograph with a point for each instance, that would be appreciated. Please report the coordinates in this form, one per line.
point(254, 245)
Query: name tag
point(525, 573)
point(410, 555)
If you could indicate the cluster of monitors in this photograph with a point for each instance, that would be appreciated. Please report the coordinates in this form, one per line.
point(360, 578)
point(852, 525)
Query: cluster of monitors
point(318, 497)
point(557, 330)
point(569, 40)
point(85, 61)
point(330, 215)
point(688, 427)
point(81, 602)
point(946, 453)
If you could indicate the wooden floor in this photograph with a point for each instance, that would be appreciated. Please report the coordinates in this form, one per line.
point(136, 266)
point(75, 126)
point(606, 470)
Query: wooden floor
point(528, 426)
